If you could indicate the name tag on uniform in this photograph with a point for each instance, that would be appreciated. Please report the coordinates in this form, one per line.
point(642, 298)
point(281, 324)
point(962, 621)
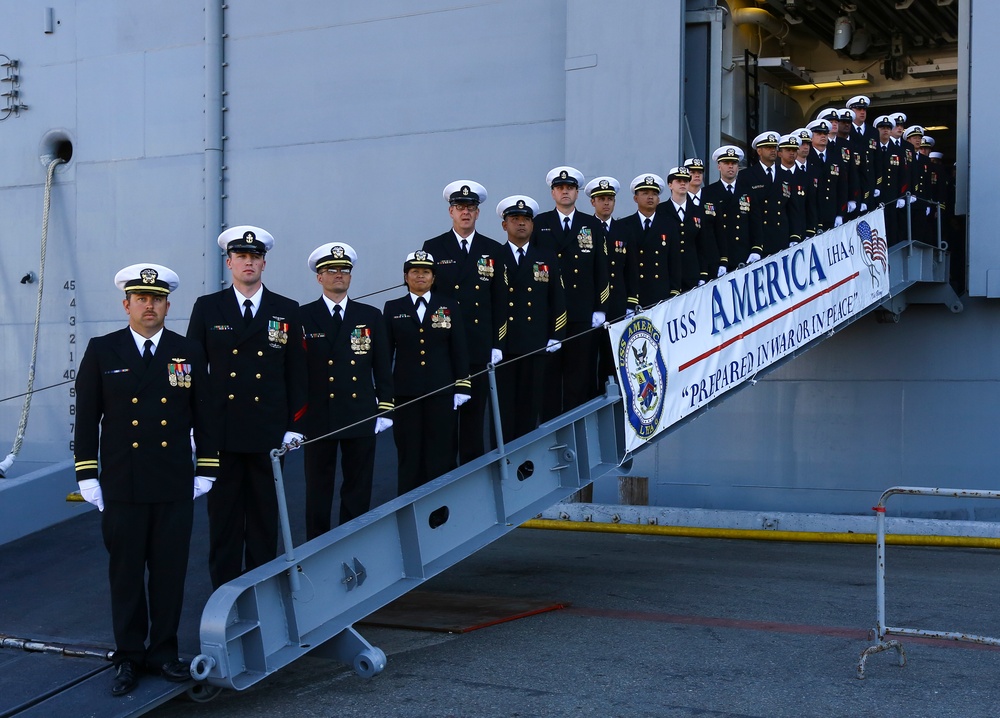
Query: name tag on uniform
point(220, 328)
point(315, 335)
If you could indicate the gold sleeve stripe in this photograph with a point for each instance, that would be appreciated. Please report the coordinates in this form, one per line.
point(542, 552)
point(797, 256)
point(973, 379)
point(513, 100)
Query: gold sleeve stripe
point(81, 465)
point(208, 462)
point(386, 405)
point(463, 383)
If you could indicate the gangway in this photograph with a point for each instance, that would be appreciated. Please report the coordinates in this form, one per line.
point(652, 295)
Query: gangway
point(308, 600)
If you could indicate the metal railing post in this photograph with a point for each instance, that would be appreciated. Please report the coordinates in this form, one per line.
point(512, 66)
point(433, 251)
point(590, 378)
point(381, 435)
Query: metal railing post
point(286, 528)
point(497, 425)
point(909, 219)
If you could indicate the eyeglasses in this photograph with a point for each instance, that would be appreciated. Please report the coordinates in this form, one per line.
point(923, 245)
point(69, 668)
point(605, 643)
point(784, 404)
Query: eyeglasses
point(335, 270)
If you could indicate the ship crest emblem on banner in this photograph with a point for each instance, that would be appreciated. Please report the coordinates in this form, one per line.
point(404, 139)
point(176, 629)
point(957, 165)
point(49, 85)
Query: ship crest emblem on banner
point(643, 375)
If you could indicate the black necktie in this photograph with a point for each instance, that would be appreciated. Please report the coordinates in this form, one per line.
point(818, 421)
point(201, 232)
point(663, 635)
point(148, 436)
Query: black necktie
point(770, 175)
point(421, 308)
point(680, 213)
point(646, 223)
point(822, 157)
point(520, 255)
point(607, 226)
point(730, 188)
point(247, 312)
point(465, 247)
point(338, 318)
point(566, 224)
point(147, 352)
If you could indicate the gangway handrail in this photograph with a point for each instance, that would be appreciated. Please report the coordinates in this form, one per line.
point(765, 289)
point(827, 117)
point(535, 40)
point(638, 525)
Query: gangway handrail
point(309, 599)
point(881, 630)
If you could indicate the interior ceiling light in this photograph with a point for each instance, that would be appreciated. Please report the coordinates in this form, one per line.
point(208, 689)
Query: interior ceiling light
point(827, 80)
point(935, 128)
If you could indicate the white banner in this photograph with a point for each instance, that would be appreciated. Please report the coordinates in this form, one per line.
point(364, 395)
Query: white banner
point(680, 355)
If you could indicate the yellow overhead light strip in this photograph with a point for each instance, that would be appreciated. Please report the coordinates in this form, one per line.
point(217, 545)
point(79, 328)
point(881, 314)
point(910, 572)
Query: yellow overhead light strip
point(826, 80)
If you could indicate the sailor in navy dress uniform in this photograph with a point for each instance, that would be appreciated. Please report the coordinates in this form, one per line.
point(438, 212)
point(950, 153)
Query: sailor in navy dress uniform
point(696, 168)
point(771, 210)
point(695, 237)
point(829, 170)
point(430, 374)
point(623, 271)
point(140, 393)
point(350, 382)
point(468, 268)
point(657, 252)
point(863, 140)
point(577, 241)
point(924, 228)
point(536, 319)
point(803, 191)
point(891, 180)
point(253, 340)
point(727, 207)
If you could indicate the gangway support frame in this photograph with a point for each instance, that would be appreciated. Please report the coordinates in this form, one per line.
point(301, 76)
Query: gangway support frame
point(881, 630)
point(278, 612)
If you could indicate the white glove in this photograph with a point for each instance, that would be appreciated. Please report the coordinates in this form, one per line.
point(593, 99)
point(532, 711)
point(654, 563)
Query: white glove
point(292, 440)
point(900, 203)
point(864, 207)
point(700, 282)
point(553, 346)
point(753, 257)
point(913, 198)
point(838, 220)
point(381, 424)
point(194, 448)
point(876, 193)
point(597, 319)
point(496, 356)
point(851, 205)
point(461, 399)
point(793, 243)
point(202, 485)
point(90, 490)
point(629, 313)
point(928, 212)
point(722, 271)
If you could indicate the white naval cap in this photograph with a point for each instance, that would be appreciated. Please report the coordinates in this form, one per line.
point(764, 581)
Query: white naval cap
point(828, 113)
point(246, 238)
point(727, 153)
point(419, 259)
point(648, 181)
point(804, 134)
point(859, 101)
point(927, 141)
point(848, 115)
point(765, 139)
point(564, 175)
point(821, 126)
point(600, 186)
point(517, 204)
point(936, 155)
point(678, 173)
point(898, 117)
point(332, 254)
point(790, 141)
point(883, 121)
point(147, 279)
point(913, 130)
point(464, 192)
point(694, 163)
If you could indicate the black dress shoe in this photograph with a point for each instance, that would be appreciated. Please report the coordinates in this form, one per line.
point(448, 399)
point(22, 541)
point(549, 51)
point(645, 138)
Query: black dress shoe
point(126, 676)
point(176, 671)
